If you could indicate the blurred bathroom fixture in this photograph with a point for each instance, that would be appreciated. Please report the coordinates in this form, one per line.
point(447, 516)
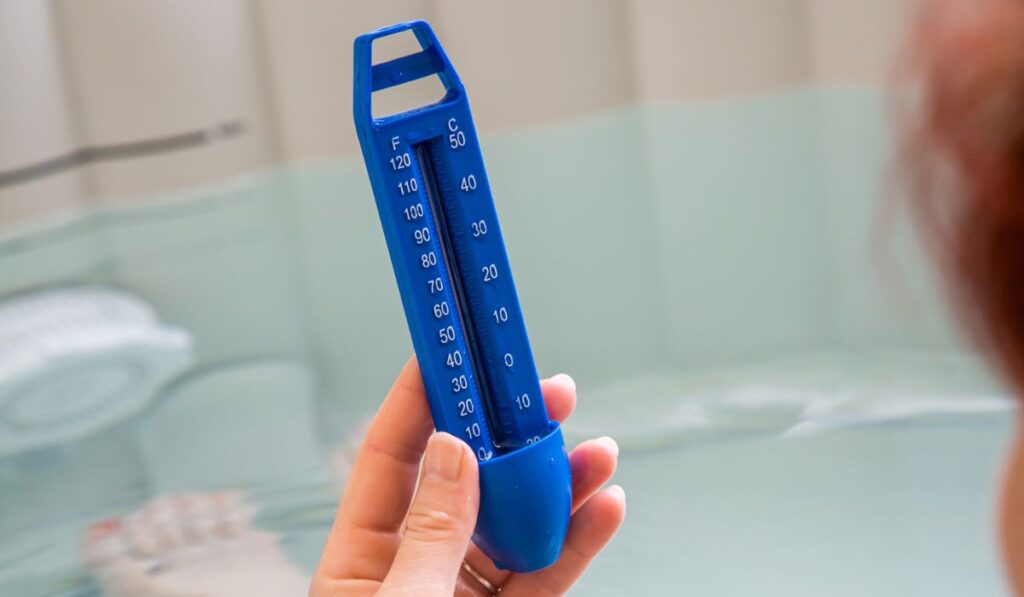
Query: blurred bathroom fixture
point(75, 360)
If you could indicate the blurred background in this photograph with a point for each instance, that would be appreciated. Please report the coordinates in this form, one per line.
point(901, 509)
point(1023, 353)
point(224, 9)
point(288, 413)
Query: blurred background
point(195, 295)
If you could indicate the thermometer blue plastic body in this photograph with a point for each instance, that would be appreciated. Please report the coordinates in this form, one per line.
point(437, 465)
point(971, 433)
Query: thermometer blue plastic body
point(460, 302)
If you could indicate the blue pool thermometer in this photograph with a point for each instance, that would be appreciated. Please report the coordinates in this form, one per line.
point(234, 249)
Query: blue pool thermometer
point(460, 302)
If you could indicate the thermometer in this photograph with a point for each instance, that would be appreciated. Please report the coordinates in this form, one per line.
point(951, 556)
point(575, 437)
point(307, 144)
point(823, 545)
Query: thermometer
point(460, 301)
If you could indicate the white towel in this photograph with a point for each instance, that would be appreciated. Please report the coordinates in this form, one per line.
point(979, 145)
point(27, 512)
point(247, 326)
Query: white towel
point(75, 360)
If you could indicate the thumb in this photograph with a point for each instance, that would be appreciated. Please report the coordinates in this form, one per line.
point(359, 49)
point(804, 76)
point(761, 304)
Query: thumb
point(440, 521)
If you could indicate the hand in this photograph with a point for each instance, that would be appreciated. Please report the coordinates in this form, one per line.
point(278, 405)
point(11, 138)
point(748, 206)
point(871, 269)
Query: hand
point(394, 537)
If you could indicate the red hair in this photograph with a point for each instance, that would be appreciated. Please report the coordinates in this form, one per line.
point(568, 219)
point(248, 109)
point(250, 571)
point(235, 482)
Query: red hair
point(962, 155)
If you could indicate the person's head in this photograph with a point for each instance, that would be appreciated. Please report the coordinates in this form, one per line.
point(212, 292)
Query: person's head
point(963, 155)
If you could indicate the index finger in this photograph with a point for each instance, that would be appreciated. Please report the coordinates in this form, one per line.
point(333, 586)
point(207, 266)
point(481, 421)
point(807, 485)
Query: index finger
point(365, 534)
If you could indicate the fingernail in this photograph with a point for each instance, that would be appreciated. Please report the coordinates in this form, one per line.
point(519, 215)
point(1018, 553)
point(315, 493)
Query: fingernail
point(618, 490)
point(444, 457)
point(609, 443)
point(566, 379)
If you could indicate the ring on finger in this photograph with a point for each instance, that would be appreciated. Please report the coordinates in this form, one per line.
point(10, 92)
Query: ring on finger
point(483, 583)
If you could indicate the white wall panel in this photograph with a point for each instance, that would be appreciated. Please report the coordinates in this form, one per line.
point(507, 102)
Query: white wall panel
point(857, 42)
point(709, 48)
point(531, 61)
point(149, 70)
point(35, 123)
